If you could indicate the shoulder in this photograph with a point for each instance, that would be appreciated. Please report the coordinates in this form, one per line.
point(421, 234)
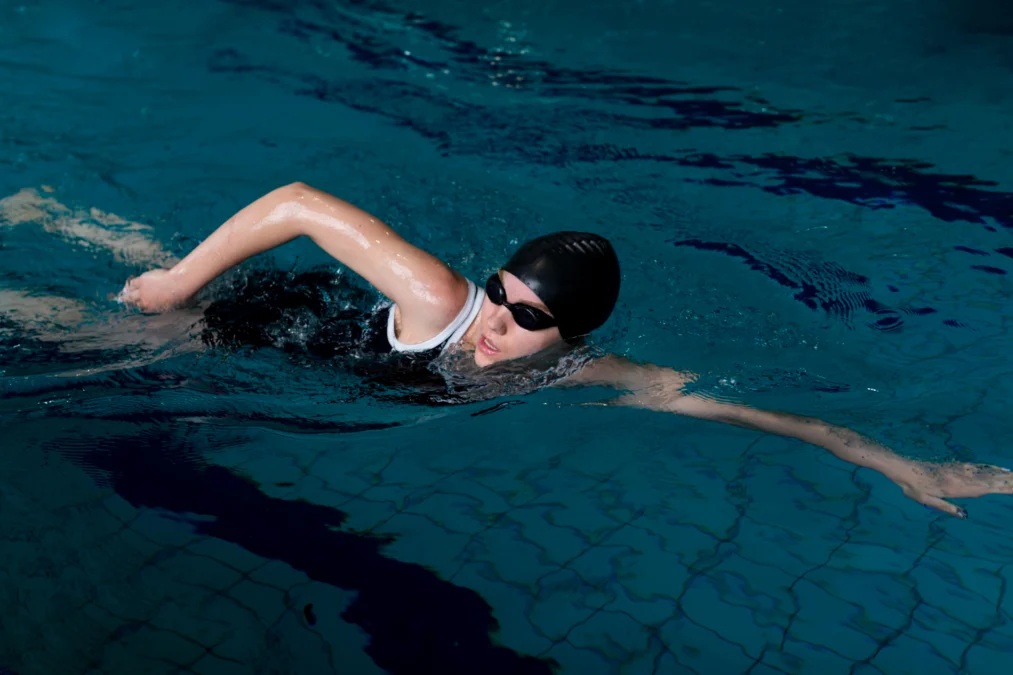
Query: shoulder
point(442, 305)
point(605, 371)
point(621, 373)
point(450, 295)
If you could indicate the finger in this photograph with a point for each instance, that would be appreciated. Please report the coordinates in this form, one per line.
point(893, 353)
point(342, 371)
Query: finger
point(1000, 480)
point(991, 479)
point(974, 480)
point(128, 295)
point(944, 506)
point(977, 470)
point(935, 503)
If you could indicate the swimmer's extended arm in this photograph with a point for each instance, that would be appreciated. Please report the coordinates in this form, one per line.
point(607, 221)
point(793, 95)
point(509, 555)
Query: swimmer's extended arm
point(427, 292)
point(662, 389)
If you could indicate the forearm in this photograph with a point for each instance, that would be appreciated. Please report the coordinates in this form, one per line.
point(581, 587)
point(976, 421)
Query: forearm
point(844, 443)
point(255, 229)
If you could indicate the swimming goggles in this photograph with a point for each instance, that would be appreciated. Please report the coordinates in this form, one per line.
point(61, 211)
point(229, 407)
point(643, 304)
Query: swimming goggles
point(526, 316)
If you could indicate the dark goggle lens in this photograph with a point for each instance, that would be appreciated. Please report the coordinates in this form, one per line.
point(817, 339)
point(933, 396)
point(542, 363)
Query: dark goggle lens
point(494, 289)
point(527, 317)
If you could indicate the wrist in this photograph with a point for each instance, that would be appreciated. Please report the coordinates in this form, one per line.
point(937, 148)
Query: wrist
point(899, 469)
point(184, 278)
point(181, 285)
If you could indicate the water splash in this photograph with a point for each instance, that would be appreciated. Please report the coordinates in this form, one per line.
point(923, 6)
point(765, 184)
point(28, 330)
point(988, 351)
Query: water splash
point(468, 382)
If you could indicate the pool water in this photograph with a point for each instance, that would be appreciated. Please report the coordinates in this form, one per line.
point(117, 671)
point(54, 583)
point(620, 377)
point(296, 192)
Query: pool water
point(812, 208)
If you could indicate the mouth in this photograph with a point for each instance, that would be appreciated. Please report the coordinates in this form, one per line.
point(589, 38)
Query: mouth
point(486, 347)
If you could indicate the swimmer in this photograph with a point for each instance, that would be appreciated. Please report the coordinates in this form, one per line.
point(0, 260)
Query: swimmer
point(547, 298)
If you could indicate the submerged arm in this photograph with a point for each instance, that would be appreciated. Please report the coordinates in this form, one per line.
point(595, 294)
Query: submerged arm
point(427, 292)
point(663, 389)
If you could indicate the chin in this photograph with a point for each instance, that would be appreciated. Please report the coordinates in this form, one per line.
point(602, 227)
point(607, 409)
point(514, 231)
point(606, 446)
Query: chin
point(482, 360)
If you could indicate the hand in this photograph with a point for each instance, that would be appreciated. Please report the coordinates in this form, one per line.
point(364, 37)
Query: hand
point(154, 291)
point(928, 483)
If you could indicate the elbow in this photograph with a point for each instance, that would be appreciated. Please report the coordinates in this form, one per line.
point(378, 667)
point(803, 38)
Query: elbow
point(301, 192)
point(702, 408)
point(292, 203)
point(298, 191)
point(294, 190)
point(286, 194)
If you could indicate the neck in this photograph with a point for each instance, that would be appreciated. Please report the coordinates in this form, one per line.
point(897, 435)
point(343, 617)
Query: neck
point(470, 337)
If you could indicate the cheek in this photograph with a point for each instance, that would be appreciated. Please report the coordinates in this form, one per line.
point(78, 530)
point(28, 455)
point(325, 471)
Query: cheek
point(523, 343)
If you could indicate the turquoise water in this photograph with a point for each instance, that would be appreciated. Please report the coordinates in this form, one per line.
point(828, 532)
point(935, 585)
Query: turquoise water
point(813, 212)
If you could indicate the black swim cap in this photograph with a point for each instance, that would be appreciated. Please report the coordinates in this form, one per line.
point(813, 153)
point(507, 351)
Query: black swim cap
point(576, 275)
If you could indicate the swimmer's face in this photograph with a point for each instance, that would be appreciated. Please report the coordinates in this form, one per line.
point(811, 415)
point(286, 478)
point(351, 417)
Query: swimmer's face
point(500, 338)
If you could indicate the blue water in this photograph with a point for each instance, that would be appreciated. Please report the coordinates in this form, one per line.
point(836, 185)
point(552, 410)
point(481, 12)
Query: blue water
point(813, 210)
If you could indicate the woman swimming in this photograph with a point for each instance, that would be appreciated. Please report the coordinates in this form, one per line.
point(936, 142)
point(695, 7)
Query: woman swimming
point(547, 298)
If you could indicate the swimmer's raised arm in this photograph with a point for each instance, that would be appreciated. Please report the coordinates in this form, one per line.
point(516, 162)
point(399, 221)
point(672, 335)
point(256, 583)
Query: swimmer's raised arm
point(428, 294)
point(663, 389)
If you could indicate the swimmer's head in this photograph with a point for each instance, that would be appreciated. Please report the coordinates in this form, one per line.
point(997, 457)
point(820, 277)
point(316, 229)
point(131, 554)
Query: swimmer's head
point(557, 287)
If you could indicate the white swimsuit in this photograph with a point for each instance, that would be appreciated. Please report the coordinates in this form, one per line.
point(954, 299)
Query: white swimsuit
point(450, 335)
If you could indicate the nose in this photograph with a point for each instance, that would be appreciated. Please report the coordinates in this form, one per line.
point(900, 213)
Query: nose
point(496, 320)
